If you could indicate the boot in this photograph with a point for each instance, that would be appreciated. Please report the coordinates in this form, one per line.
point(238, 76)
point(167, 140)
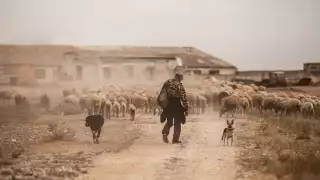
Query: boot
point(165, 138)
point(176, 142)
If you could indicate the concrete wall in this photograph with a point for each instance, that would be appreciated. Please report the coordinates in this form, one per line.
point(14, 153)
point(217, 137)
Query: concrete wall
point(259, 75)
point(228, 71)
point(223, 71)
point(50, 74)
point(93, 70)
point(24, 73)
point(120, 72)
point(312, 68)
point(252, 75)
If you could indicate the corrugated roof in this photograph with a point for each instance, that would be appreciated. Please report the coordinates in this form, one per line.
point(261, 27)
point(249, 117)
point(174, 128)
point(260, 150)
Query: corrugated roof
point(33, 54)
point(53, 54)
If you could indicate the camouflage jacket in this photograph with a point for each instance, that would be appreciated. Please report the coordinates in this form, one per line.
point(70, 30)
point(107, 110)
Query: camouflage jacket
point(175, 89)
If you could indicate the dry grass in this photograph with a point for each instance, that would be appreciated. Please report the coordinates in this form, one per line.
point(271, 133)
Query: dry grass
point(11, 113)
point(60, 131)
point(20, 128)
point(285, 148)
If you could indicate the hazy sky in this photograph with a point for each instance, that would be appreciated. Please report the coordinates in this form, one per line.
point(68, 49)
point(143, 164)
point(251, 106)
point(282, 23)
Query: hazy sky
point(251, 34)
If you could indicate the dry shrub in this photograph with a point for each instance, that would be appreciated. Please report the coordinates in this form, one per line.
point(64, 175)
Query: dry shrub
point(60, 131)
point(11, 113)
point(288, 148)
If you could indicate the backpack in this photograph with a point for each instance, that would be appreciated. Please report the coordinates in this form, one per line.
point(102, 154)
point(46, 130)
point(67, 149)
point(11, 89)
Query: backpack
point(163, 97)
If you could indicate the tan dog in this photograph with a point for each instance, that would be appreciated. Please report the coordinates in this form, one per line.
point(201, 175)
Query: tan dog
point(228, 133)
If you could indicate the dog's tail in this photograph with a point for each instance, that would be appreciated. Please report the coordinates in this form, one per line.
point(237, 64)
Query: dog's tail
point(223, 134)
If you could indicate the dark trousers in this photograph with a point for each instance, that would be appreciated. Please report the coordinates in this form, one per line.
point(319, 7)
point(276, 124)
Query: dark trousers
point(175, 114)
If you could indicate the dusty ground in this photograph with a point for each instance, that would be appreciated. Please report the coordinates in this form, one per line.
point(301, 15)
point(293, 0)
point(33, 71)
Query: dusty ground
point(265, 149)
point(127, 150)
point(284, 149)
point(270, 149)
point(200, 156)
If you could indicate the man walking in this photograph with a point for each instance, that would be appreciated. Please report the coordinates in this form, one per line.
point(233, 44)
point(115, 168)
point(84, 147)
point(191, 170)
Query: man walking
point(176, 110)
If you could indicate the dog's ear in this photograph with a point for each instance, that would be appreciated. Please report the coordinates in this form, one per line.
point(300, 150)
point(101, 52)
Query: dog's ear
point(228, 122)
point(232, 122)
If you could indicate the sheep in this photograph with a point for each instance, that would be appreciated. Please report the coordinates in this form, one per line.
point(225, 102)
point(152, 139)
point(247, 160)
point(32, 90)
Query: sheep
point(229, 104)
point(290, 105)
point(123, 109)
point(22, 103)
point(154, 106)
point(70, 105)
point(94, 103)
point(202, 103)
point(132, 112)
point(66, 92)
point(140, 102)
point(244, 105)
point(257, 101)
point(6, 95)
point(108, 109)
point(45, 101)
point(307, 109)
point(116, 109)
point(18, 98)
point(121, 100)
point(222, 95)
point(82, 102)
point(95, 122)
point(209, 97)
point(268, 103)
point(71, 99)
point(192, 100)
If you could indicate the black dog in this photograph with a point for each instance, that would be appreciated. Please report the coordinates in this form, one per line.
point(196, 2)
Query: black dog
point(95, 122)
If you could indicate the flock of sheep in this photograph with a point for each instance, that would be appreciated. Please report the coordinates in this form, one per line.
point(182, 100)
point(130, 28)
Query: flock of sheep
point(249, 97)
point(225, 97)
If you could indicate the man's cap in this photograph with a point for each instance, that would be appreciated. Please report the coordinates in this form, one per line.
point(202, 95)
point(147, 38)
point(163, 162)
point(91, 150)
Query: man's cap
point(180, 70)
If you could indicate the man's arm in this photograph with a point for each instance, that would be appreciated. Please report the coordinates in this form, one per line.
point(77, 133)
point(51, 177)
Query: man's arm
point(183, 96)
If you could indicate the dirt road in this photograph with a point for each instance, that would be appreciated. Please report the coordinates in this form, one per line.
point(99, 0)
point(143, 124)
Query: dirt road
point(201, 156)
point(127, 150)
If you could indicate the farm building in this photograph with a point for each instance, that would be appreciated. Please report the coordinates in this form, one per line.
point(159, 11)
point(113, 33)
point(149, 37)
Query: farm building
point(38, 64)
point(30, 65)
point(312, 68)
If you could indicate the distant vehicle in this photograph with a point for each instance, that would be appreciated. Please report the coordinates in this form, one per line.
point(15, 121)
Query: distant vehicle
point(275, 79)
point(305, 81)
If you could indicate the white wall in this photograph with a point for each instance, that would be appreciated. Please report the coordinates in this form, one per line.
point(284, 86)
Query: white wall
point(205, 71)
point(50, 74)
point(94, 72)
point(119, 73)
point(228, 71)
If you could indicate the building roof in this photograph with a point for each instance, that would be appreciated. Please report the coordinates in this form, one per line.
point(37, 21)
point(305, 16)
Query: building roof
point(199, 59)
point(53, 54)
point(190, 56)
point(33, 54)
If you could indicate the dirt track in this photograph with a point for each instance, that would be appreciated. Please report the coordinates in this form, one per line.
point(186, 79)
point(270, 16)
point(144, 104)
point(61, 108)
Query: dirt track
point(128, 150)
point(200, 156)
point(134, 150)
